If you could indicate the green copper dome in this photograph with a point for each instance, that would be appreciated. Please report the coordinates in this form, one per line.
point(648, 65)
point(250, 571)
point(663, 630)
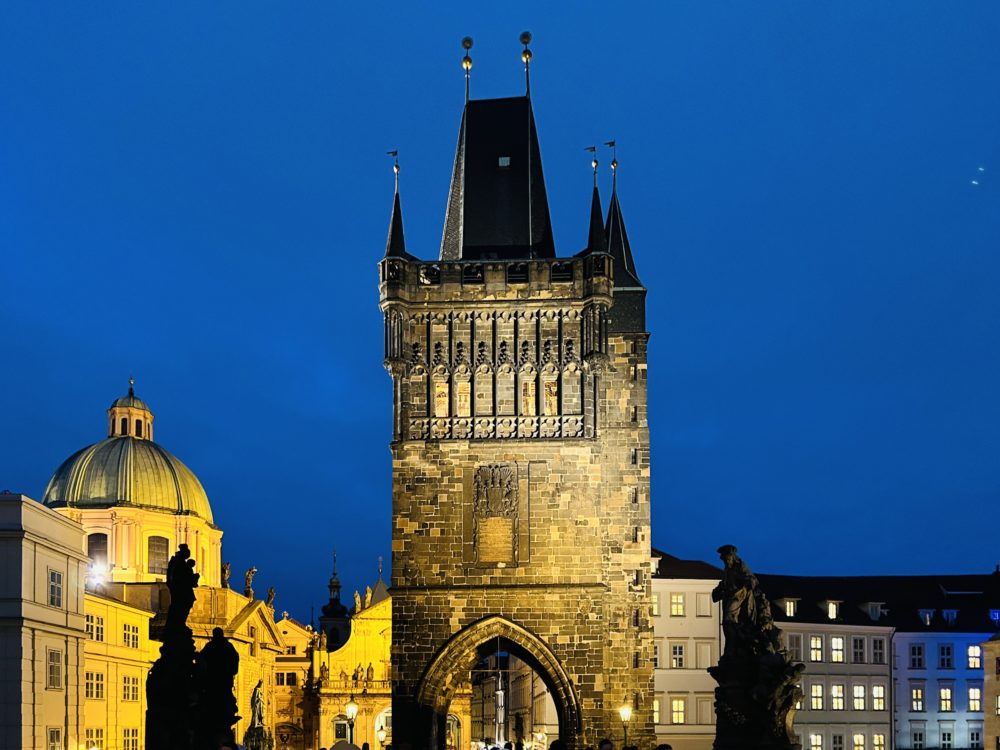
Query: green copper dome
point(127, 469)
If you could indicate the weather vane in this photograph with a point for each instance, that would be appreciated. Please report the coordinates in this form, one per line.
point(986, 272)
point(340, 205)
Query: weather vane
point(467, 64)
point(592, 150)
point(526, 59)
point(395, 171)
point(614, 160)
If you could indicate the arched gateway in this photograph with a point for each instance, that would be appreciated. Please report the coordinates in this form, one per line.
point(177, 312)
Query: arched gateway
point(520, 448)
point(450, 668)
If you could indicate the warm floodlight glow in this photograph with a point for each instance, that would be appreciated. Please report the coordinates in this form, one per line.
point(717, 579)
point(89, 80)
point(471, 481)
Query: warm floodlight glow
point(381, 733)
point(626, 713)
point(352, 709)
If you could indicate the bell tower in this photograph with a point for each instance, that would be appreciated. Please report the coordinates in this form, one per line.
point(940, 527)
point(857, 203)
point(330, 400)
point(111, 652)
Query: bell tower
point(520, 447)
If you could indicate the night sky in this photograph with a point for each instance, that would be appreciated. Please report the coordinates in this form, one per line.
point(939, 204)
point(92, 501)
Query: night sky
point(198, 194)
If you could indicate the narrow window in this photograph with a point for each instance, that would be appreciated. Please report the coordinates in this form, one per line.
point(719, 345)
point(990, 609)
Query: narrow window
point(837, 649)
point(816, 697)
point(975, 699)
point(678, 607)
point(138, 428)
point(97, 549)
point(945, 656)
point(837, 697)
point(975, 655)
point(790, 605)
point(917, 699)
point(124, 429)
point(677, 656)
point(878, 697)
point(158, 548)
point(678, 710)
point(878, 650)
point(55, 588)
point(815, 648)
point(944, 697)
point(54, 666)
point(860, 699)
point(858, 650)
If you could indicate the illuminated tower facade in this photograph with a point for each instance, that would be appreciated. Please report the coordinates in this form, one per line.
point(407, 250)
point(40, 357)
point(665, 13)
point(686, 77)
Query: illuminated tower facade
point(520, 448)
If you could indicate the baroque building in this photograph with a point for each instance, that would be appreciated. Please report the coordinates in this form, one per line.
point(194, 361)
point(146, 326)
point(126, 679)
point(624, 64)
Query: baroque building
point(88, 566)
point(520, 447)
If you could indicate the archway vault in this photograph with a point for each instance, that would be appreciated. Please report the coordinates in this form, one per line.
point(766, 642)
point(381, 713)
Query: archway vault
point(452, 663)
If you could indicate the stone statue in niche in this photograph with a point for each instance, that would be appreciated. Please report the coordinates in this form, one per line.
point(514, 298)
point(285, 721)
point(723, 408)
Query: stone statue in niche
point(248, 588)
point(226, 570)
point(758, 683)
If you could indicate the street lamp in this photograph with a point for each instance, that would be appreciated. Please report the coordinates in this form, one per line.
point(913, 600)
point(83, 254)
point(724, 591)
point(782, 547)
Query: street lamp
point(625, 712)
point(352, 713)
point(381, 734)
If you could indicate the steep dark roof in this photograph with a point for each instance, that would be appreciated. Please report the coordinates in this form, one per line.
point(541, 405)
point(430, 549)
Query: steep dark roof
point(395, 245)
point(597, 241)
point(669, 566)
point(497, 205)
point(619, 247)
point(903, 599)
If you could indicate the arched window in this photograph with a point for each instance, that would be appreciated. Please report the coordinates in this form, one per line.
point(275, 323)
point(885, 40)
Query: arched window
point(159, 554)
point(124, 425)
point(97, 549)
point(138, 428)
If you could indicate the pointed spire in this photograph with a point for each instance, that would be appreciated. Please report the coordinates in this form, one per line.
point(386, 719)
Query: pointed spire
point(617, 237)
point(131, 386)
point(395, 245)
point(334, 585)
point(596, 239)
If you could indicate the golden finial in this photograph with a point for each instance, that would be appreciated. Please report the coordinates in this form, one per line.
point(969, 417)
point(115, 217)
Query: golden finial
point(467, 64)
point(526, 59)
point(131, 385)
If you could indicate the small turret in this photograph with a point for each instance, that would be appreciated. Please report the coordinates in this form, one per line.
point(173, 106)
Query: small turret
point(129, 416)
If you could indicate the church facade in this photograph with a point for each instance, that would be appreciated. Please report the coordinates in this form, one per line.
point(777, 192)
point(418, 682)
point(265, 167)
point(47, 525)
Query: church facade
point(520, 447)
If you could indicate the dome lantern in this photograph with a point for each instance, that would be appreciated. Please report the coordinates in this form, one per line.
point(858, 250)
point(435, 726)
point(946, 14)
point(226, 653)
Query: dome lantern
point(130, 417)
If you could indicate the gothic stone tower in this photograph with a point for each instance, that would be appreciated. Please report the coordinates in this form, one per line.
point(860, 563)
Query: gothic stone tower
point(520, 448)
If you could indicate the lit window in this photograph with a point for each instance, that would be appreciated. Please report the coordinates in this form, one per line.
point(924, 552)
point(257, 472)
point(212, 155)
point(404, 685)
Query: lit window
point(677, 605)
point(917, 699)
point(503, 162)
point(815, 742)
point(798, 702)
point(878, 697)
point(678, 708)
point(94, 625)
point(677, 656)
point(975, 654)
point(878, 650)
point(944, 696)
point(130, 688)
point(975, 699)
point(130, 635)
point(95, 738)
point(916, 656)
point(794, 646)
point(926, 615)
point(130, 739)
point(55, 588)
point(93, 685)
point(837, 649)
point(655, 606)
point(158, 553)
point(790, 607)
point(815, 648)
point(878, 742)
point(945, 656)
point(54, 667)
point(859, 741)
point(832, 610)
point(858, 650)
point(816, 697)
point(859, 698)
point(656, 710)
point(656, 655)
point(837, 697)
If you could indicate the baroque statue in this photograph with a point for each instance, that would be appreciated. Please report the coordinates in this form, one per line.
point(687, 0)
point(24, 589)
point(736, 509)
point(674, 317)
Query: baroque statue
point(270, 597)
point(758, 684)
point(248, 588)
point(258, 736)
point(218, 664)
point(226, 570)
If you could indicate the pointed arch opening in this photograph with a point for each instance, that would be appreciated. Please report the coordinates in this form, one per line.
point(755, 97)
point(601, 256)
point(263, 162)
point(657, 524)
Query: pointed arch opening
point(450, 670)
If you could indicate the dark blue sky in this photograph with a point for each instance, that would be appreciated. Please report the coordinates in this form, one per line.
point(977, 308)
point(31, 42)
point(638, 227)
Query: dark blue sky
point(198, 194)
